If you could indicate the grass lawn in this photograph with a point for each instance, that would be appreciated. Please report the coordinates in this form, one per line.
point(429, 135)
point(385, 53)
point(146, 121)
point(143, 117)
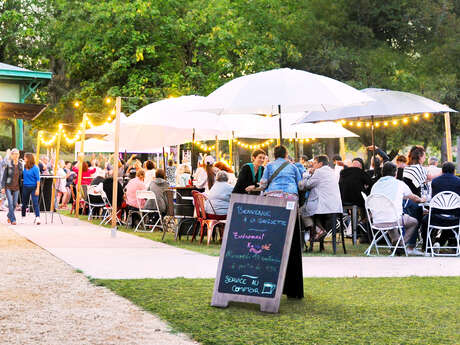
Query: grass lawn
point(214, 248)
point(411, 310)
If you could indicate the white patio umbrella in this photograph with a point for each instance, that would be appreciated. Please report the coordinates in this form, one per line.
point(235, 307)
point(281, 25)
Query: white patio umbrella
point(168, 122)
point(386, 103)
point(277, 90)
point(106, 128)
point(259, 127)
point(101, 145)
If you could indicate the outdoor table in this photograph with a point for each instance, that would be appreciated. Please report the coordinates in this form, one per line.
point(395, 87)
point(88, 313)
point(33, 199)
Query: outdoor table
point(46, 190)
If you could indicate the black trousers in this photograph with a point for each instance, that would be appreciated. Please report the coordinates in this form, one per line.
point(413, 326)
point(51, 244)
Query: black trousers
point(293, 283)
point(439, 220)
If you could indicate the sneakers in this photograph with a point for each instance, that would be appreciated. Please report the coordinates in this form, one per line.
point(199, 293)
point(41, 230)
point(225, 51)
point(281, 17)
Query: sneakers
point(436, 247)
point(414, 252)
point(37, 221)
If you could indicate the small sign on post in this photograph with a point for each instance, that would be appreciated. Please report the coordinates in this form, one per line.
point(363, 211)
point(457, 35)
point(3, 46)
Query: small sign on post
point(255, 251)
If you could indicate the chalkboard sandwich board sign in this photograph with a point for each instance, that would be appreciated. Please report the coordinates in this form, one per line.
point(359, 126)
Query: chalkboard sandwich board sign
point(255, 251)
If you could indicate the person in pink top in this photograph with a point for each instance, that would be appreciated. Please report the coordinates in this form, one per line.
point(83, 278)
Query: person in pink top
point(132, 187)
point(86, 175)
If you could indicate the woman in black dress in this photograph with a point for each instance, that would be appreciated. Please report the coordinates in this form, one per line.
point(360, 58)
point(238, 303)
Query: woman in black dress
point(251, 173)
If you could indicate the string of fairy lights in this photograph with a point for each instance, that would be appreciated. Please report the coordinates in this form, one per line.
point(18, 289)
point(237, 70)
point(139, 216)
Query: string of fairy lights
point(386, 122)
point(72, 138)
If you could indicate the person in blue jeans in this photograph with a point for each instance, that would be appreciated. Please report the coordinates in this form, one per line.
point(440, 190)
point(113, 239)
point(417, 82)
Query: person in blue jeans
point(11, 182)
point(31, 186)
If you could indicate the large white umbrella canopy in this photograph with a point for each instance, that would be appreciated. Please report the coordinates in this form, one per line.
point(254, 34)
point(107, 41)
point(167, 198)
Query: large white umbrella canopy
point(261, 127)
point(386, 103)
point(169, 122)
point(281, 90)
point(107, 128)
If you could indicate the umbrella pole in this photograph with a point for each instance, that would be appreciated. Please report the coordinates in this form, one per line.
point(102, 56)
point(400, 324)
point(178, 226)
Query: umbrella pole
point(448, 137)
point(296, 148)
point(230, 149)
point(115, 167)
point(193, 149)
point(217, 149)
point(281, 130)
point(373, 143)
point(164, 159)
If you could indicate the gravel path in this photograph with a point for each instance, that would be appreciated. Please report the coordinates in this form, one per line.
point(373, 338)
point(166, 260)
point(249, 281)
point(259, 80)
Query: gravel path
point(44, 301)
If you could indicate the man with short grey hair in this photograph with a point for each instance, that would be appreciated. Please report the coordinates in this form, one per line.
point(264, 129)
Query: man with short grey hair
point(433, 167)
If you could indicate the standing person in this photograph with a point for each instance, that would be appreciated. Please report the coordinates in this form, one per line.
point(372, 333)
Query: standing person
point(149, 168)
point(11, 181)
point(31, 186)
point(280, 179)
point(61, 184)
point(171, 173)
point(251, 173)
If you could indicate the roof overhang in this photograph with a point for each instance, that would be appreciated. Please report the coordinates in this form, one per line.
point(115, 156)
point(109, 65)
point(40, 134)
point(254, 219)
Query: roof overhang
point(24, 75)
point(20, 110)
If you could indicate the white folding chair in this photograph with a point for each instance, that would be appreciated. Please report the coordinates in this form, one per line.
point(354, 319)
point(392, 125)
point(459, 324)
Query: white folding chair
point(444, 201)
point(144, 195)
point(95, 202)
point(380, 231)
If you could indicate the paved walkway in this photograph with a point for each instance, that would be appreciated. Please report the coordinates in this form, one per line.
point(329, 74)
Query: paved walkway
point(44, 301)
point(91, 249)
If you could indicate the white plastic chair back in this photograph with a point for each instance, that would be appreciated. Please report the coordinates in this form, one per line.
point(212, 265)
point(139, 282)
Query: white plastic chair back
point(145, 195)
point(92, 191)
point(377, 203)
point(445, 201)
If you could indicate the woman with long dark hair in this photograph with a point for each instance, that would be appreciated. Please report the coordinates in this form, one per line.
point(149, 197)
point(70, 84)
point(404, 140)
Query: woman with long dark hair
point(31, 186)
point(205, 176)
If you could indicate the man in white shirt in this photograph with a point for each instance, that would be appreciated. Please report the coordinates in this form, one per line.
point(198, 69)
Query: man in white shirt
point(396, 191)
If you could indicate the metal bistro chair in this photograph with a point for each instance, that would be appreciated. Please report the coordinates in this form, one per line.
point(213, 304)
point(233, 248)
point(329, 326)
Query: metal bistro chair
point(206, 219)
point(95, 202)
point(183, 213)
point(444, 201)
point(376, 203)
point(143, 212)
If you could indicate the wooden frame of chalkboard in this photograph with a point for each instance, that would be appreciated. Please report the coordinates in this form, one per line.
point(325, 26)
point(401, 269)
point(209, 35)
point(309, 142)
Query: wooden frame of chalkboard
point(257, 241)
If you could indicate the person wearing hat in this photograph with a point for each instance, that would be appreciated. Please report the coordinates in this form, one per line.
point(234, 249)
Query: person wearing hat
point(205, 175)
point(12, 177)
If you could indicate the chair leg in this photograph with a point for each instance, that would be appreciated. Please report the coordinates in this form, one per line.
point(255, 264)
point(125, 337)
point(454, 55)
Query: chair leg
point(342, 233)
point(334, 233)
point(354, 223)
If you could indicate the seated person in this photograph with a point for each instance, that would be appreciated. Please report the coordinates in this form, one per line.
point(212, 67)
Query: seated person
point(171, 173)
point(230, 173)
point(149, 168)
point(284, 181)
point(447, 182)
point(158, 185)
point(396, 191)
point(219, 195)
point(132, 187)
point(250, 173)
point(338, 165)
point(183, 176)
point(324, 197)
point(352, 182)
point(401, 163)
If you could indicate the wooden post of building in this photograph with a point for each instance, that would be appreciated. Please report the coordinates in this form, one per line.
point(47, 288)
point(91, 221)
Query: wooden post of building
point(39, 139)
point(448, 136)
point(56, 160)
point(81, 157)
point(115, 165)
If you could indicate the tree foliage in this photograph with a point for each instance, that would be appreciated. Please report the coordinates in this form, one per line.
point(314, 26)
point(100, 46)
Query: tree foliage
point(149, 50)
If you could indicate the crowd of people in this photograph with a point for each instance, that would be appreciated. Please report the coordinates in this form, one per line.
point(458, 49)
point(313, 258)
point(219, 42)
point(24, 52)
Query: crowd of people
point(322, 187)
